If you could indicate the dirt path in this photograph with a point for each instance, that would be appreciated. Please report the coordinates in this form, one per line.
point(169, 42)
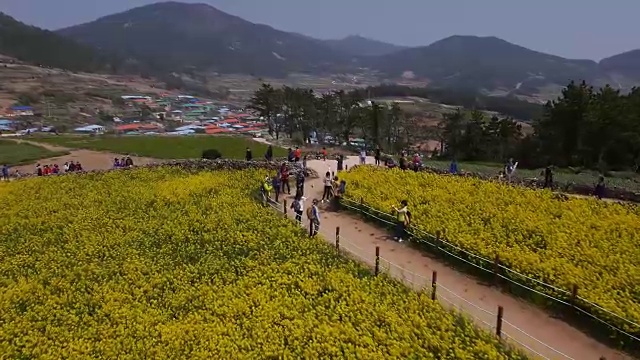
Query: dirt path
point(90, 160)
point(46, 146)
point(455, 289)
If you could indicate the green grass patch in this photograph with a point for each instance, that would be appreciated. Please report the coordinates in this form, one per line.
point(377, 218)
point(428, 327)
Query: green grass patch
point(13, 153)
point(165, 147)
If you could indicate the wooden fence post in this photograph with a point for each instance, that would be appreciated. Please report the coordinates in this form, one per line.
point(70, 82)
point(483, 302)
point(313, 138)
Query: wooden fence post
point(496, 269)
point(574, 295)
point(361, 200)
point(284, 207)
point(499, 321)
point(434, 281)
point(310, 227)
point(377, 269)
point(338, 238)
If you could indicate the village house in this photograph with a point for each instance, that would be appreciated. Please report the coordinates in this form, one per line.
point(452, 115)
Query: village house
point(6, 125)
point(90, 129)
point(20, 110)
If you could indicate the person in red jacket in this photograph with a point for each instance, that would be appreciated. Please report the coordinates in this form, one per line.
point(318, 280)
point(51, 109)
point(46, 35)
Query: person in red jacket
point(298, 154)
point(284, 177)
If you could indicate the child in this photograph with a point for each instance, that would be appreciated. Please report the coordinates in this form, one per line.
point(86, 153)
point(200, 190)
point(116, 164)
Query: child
point(297, 206)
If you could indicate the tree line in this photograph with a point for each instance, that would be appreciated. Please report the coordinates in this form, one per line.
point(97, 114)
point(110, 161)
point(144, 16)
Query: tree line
point(584, 127)
point(333, 117)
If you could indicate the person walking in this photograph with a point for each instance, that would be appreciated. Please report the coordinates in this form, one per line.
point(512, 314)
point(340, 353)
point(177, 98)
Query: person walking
point(599, 190)
point(403, 162)
point(378, 155)
point(510, 169)
point(324, 153)
point(417, 162)
point(363, 156)
point(453, 167)
point(402, 220)
point(275, 183)
point(284, 178)
point(5, 172)
point(548, 177)
point(328, 187)
point(266, 189)
point(297, 154)
point(269, 154)
point(248, 155)
point(297, 205)
point(340, 162)
point(313, 213)
point(300, 183)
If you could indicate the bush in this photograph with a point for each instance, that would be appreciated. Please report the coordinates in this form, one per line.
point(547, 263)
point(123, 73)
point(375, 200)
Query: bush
point(211, 154)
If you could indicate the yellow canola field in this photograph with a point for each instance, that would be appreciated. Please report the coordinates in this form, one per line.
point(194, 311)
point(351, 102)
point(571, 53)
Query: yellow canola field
point(592, 244)
point(163, 264)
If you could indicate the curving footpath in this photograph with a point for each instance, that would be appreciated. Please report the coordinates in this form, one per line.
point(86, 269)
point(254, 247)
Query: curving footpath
point(523, 325)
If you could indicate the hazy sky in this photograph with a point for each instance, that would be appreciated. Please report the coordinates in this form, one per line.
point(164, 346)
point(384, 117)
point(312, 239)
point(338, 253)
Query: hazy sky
point(570, 28)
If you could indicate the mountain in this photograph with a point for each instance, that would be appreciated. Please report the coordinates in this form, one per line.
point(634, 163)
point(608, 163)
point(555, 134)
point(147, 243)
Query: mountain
point(626, 64)
point(40, 47)
point(174, 36)
point(361, 46)
point(474, 62)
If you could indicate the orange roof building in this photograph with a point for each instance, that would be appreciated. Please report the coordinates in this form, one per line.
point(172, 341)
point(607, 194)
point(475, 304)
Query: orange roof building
point(215, 130)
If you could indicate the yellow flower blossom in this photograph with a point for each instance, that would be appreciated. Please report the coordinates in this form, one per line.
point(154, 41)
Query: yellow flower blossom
point(166, 264)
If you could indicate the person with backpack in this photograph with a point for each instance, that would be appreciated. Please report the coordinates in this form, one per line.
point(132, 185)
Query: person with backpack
point(248, 155)
point(403, 219)
point(297, 205)
point(314, 217)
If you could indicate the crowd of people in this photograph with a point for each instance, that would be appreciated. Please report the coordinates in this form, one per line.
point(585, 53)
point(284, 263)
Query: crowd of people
point(279, 184)
point(55, 169)
point(125, 162)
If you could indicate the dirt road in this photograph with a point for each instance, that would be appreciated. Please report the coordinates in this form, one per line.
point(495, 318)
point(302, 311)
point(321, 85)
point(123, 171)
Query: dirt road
point(90, 160)
point(523, 323)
